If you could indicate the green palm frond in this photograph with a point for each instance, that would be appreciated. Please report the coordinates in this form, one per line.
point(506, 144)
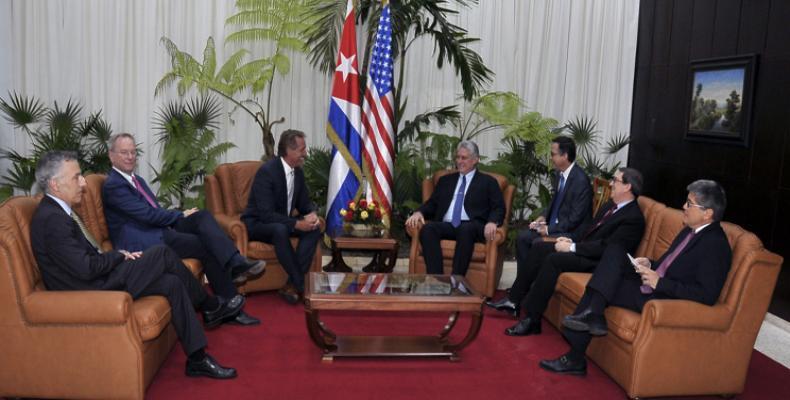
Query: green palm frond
point(584, 133)
point(253, 35)
point(323, 36)
point(63, 120)
point(22, 110)
point(442, 116)
point(204, 111)
point(54, 128)
point(316, 174)
point(617, 143)
point(188, 149)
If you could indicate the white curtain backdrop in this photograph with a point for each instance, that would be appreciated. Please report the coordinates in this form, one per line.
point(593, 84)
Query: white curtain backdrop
point(565, 58)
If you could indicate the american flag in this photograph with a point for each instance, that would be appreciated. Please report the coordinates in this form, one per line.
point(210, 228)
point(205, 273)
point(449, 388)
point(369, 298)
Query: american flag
point(378, 136)
point(343, 128)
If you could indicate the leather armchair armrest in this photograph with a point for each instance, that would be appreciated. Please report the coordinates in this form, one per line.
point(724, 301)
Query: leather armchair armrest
point(493, 245)
point(414, 231)
point(78, 307)
point(235, 229)
point(687, 314)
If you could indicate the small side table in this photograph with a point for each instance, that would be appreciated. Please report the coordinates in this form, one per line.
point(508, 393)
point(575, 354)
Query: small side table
point(385, 253)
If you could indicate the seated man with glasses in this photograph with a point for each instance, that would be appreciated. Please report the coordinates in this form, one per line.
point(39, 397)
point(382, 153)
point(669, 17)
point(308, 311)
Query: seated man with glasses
point(618, 221)
point(694, 268)
point(136, 222)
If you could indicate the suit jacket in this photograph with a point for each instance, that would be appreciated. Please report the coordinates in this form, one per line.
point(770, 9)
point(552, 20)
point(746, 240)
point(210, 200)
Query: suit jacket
point(576, 205)
point(268, 201)
point(700, 270)
point(626, 227)
point(66, 259)
point(483, 201)
point(131, 221)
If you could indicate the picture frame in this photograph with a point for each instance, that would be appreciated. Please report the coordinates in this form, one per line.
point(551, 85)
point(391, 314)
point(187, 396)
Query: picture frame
point(720, 96)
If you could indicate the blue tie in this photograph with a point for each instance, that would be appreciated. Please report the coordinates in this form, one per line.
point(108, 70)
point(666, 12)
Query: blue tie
point(459, 203)
point(555, 206)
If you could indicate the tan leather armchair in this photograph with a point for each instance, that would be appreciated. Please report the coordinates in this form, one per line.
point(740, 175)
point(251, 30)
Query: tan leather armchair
point(679, 347)
point(71, 344)
point(485, 268)
point(227, 192)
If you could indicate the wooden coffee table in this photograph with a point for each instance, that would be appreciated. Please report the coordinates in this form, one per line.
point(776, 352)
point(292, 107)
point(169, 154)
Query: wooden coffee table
point(390, 293)
point(385, 253)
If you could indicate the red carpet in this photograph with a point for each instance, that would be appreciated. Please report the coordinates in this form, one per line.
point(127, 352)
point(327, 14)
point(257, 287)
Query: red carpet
point(277, 360)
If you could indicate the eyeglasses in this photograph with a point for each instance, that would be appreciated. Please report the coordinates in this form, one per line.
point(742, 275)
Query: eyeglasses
point(616, 179)
point(125, 153)
point(689, 204)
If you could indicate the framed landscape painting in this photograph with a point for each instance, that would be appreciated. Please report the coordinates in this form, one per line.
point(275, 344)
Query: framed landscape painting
point(720, 97)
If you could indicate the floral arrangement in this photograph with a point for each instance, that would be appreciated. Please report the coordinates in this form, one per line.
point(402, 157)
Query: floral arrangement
point(362, 212)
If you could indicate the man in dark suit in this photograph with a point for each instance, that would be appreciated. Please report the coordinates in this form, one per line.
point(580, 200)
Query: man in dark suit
point(279, 207)
point(466, 206)
point(694, 268)
point(618, 221)
point(571, 203)
point(69, 259)
point(136, 222)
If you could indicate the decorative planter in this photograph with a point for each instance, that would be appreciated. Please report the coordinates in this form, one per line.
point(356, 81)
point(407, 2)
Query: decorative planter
point(363, 230)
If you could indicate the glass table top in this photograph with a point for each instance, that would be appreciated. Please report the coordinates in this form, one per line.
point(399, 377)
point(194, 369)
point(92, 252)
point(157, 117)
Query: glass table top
point(388, 284)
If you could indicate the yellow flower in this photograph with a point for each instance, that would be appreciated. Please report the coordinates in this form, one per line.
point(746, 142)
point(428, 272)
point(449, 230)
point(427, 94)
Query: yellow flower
point(364, 215)
point(352, 205)
point(343, 212)
point(371, 206)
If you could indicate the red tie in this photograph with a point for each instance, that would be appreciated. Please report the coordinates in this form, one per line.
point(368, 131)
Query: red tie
point(142, 191)
point(662, 269)
point(600, 221)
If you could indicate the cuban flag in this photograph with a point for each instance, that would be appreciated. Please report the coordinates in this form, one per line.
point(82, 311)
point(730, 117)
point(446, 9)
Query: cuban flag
point(343, 128)
point(378, 134)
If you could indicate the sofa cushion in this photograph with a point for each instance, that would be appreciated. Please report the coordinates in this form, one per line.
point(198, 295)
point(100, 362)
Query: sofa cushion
point(152, 314)
point(621, 322)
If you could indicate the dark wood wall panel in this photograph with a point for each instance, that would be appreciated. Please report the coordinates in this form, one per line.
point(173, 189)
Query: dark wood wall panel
point(672, 33)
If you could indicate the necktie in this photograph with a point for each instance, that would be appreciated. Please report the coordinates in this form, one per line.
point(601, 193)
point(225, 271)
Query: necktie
point(555, 206)
point(143, 192)
point(459, 203)
point(85, 232)
point(290, 184)
point(600, 221)
point(662, 269)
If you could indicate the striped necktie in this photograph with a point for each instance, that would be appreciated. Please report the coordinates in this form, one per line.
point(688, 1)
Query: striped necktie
point(140, 189)
point(85, 232)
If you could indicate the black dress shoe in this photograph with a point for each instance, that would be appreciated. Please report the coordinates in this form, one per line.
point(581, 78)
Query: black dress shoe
point(506, 305)
point(289, 294)
point(586, 321)
point(244, 319)
point(564, 365)
point(209, 367)
point(226, 311)
point(525, 327)
point(240, 273)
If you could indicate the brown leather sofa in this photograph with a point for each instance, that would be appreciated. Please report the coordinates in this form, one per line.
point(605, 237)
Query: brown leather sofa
point(226, 198)
point(73, 344)
point(679, 347)
point(485, 268)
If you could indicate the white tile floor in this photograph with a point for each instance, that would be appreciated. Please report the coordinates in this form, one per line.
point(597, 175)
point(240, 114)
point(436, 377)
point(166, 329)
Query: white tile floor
point(773, 339)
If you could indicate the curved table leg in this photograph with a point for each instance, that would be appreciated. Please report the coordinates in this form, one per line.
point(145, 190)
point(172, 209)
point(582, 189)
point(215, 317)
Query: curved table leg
point(448, 326)
point(329, 336)
point(321, 336)
point(474, 329)
point(373, 265)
